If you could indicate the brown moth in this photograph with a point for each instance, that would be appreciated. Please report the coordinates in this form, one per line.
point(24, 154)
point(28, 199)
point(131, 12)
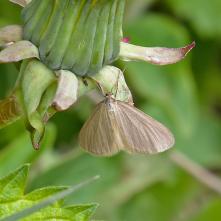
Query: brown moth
point(116, 125)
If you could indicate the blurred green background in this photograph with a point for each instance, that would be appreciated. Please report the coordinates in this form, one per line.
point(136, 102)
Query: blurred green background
point(185, 96)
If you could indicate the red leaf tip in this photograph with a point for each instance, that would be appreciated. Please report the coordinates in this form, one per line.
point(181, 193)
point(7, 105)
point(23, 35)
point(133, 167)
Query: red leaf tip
point(188, 48)
point(36, 146)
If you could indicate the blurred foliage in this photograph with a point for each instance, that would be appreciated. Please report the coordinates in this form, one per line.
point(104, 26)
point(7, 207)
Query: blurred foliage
point(13, 201)
point(185, 96)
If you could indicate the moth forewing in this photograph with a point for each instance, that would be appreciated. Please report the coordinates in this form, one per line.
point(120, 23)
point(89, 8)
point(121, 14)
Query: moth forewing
point(98, 135)
point(142, 133)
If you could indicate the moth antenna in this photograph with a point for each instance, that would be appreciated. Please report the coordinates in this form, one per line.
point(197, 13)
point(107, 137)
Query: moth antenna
point(99, 86)
point(118, 77)
point(85, 81)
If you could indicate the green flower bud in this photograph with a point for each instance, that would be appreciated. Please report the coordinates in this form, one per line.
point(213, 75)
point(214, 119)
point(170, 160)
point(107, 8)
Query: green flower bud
point(81, 36)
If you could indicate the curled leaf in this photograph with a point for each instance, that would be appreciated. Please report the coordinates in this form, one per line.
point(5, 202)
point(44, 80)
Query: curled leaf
point(19, 51)
point(45, 107)
point(154, 55)
point(22, 3)
point(36, 78)
point(67, 90)
point(10, 34)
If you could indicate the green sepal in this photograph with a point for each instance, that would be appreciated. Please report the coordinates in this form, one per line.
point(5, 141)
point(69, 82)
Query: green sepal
point(46, 103)
point(35, 80)
point(52, 30)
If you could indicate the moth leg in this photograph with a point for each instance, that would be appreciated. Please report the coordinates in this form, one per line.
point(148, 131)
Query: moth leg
point(85, 81)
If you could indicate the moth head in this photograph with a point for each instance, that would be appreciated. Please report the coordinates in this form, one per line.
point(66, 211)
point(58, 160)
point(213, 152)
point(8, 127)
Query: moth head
point(109, 95)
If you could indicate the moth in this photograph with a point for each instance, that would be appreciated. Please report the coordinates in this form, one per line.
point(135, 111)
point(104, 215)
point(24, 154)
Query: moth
point(115, 125)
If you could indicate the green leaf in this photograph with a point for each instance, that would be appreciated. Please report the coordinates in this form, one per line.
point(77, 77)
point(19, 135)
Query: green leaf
point(12, 186)
point(83, 212)
point(122, 177)
point(41, 204)
point(72, 213)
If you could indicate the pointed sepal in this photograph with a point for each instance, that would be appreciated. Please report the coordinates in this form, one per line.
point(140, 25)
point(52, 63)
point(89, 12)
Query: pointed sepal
point(67, 90)
point(22, 3)
point(154, 55)
point(19, 51)
point(35, 80)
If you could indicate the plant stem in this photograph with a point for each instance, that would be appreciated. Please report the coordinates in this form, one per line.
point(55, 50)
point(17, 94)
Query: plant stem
point(199, 172)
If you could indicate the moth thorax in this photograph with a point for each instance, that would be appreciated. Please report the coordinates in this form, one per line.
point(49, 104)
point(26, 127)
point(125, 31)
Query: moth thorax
point(110, 104)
